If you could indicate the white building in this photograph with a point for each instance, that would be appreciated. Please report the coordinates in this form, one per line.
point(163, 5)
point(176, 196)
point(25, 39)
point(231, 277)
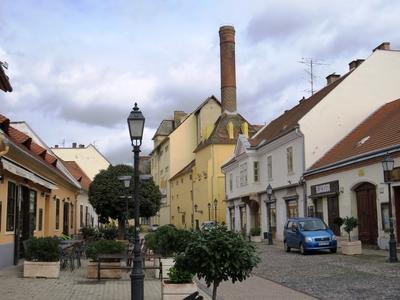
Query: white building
point(281, 151)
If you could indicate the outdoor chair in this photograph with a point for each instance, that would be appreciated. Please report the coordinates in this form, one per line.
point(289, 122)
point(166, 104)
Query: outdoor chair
point(67, 259)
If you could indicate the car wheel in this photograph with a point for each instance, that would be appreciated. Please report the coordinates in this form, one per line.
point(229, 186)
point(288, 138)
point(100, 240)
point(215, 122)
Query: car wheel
point(285, 246)
point(333, 250)
point(302, 250)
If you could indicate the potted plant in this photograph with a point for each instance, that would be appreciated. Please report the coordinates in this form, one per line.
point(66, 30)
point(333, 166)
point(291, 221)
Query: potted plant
point(255, 234)
point(218, 255)
point(349, 247)
point(179, 285)
point(42, 257)
point(104, 247)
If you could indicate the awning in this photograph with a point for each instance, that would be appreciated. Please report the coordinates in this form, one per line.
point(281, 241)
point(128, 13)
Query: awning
point(16, 169)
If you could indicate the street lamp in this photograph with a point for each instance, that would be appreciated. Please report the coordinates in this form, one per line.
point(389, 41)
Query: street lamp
point(269, 233)
point(209, 211)
point(126, 181)
point(136, 126)
point(215, 209)
point(388, 165)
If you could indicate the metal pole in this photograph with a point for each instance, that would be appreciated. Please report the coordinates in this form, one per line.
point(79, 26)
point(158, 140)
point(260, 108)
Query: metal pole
point(392, 240)
point(137, 275)
point(269, 224)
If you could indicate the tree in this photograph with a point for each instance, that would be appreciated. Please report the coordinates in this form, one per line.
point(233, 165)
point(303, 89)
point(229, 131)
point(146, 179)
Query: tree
point(108, 196)
point(217, 255)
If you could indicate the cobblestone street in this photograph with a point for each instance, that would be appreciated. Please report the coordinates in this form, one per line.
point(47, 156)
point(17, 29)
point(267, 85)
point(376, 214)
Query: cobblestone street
point(332, 276)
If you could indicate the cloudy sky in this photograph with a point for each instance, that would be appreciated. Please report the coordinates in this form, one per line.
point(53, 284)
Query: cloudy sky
point(77, 67)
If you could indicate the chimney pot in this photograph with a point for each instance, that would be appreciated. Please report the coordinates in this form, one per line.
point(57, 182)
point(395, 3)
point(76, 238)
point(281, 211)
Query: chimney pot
point(81, 146)
point(332, 78)
point(73, 145)
point(228, 73)
point(383, 46)
point(355, 63)
point(55, 146)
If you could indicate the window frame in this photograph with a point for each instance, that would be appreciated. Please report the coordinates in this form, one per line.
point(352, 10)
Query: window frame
point(289, 160)
point(269, 167)
point(256, 171)
point(10, 211)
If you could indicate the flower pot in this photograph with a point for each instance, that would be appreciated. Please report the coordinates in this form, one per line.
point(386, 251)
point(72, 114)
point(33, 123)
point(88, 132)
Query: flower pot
point(104, 273)
point(256, 238)
point(177, 291)
point(351, 248)
point(42, 269)
point(166, 264)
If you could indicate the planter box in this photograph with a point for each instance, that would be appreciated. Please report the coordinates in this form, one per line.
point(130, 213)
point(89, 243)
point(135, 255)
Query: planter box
point(42, 269)
point(351, 248)
point(104, 273)
point(166, 264)
point(177, 291)
point(256, 238)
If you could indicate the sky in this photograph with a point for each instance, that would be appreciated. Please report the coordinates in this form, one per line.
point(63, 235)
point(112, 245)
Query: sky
point(78, 66)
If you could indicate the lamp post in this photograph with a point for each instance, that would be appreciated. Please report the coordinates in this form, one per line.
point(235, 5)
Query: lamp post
point(209, 211)
point(136, 126)
point(388, 165)
point(269, 194)
point(126, 181)
point(215, 209)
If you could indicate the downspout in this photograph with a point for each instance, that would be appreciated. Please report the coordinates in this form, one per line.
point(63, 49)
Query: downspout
point(302, 180)
point(193, 217)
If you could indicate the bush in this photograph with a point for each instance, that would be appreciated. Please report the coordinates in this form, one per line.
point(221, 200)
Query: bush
point(104, 247)
point(180, 276)
point(349, 224)
point(109, 232)
point(43, 249)
point(255, 231)
point(89, 233)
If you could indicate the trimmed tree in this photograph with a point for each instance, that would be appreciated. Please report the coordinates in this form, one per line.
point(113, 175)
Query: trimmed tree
point(108, 195)
point(218, 255)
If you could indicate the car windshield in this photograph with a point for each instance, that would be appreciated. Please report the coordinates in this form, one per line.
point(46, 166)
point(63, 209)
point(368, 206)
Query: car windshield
point(312, 225)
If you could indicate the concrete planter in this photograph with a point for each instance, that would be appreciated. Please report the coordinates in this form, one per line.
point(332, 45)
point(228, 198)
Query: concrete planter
point(42, 269)
point(351, 248)
point(104, 273)
point(256, 238)
point(166, 264)
point(177, 291)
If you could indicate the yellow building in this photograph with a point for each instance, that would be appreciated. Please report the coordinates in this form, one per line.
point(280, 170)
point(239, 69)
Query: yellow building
point(37, 197)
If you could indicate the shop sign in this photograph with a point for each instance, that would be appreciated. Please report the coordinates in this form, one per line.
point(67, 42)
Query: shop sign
point(323, 188)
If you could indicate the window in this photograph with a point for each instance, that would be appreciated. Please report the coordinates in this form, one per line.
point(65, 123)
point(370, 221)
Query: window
point(291, 207)
point(256, 171)
point(72, 215)
point(166, 149)
point(385, 216)
point(230, 182)
point(243, 219)
point(232, 218)
point(33, 206)
point(243, 174)
point(289, 156)
point(269, 167)
point(86, 216)
point(81, 216)
point(11, 200)
point(40, 219)
point(57, 214)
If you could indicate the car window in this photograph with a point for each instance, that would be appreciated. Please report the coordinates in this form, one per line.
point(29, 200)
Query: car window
point(312, 225)
point(289, 225)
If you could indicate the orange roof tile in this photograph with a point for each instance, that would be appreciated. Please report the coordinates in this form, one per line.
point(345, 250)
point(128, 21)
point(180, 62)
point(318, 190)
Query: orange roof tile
point(78, 174)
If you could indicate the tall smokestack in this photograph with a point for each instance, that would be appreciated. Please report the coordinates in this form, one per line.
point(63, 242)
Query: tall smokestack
point(228, 73)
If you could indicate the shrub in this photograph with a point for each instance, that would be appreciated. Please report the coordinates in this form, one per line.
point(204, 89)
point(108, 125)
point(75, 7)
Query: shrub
point(255, 231)
point(89, 233)
point(104, 247)
point(349, 224)
point(109, 232)
point(180, 276)
point(42, 249)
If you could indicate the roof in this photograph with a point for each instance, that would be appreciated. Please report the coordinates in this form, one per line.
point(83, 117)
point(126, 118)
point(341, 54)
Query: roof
point(220, 134)
point(290, 118)
point(212, 97)
point(78, 174)
point(165, 128)
point(185, 170)
point(57, 150)
point(377, 132)
point(4, 80)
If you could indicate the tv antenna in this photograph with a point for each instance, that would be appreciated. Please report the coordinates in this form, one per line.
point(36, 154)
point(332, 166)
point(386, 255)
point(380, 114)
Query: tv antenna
point(311, 63)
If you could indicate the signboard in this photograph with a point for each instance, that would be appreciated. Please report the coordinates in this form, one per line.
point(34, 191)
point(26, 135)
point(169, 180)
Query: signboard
point(325, 188)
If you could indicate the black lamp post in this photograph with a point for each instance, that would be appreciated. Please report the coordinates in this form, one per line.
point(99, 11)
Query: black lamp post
point(215, 209)
point(269, 194)
point(209, 211)
point(126, 181)
point(388, 165)
point(136, 126)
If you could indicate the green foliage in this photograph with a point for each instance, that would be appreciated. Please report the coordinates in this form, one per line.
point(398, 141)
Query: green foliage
point(349, 224)
point(108, 195)
point(104, 247)
point(89, 233)
point(180, 276)
point(43, 249)
point(255, 231)
point(338, 221)
point(218, 255)
point(108, 232)
point(168, 240)
point(65, 237)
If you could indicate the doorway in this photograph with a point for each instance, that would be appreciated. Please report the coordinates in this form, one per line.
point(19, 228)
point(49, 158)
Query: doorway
point(66, 218)
point(397, 211)
point(27, 217)
point(333, 213)
point(367, 213)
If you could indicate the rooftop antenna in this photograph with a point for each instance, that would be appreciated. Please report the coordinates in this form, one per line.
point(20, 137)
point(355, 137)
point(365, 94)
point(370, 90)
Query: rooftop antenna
point(63, 143)
point(311, 63)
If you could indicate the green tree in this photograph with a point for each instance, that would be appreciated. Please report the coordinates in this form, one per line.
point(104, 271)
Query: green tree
point(108, 196)
point(218, 255)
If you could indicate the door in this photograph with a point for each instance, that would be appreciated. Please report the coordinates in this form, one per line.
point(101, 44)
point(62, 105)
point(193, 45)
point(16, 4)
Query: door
point(397, 212)
point(66, 218)
point(367, 214)
point(333, 213)
point(271, 212)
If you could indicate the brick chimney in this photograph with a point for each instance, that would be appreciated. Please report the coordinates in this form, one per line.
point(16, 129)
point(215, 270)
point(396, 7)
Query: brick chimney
point(332, 78)
point(178, 117)
point(73, 145)
point(355, 63)
point(383, 46)
point(228, 73)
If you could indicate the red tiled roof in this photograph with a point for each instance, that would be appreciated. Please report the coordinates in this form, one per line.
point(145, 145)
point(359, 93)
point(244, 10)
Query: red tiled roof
point(379, 131)
point(78, 174)
point(289, 120)
point(4, 81)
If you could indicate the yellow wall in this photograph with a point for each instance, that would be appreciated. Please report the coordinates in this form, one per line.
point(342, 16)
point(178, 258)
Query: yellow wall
point(181, 196)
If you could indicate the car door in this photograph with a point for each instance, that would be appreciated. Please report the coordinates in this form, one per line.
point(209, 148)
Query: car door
point(290, 237)
point(296, 234)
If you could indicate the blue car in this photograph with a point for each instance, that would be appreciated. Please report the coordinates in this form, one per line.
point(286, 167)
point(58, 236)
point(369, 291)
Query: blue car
point(308, 234)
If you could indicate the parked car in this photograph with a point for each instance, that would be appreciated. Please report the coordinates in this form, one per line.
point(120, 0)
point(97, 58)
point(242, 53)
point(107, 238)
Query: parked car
point(208, 225)
point(308, 234)
point(153, 227)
